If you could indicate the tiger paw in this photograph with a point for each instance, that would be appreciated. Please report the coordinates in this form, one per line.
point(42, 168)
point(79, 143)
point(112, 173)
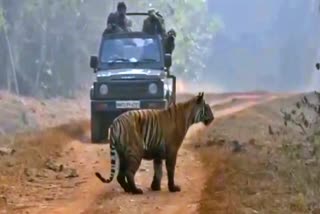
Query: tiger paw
point(174, 188)
point(137, 191)
point(156, 186)
point(126, 189)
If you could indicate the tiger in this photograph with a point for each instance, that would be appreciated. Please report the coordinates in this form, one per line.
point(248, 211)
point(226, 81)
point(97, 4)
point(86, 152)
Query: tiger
point(152, 134)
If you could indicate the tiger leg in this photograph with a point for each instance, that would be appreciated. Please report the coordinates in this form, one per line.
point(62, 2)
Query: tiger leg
point(121, 178)
point(122, 181)
point(133, 164)
point(156, 182)
point(170, 165)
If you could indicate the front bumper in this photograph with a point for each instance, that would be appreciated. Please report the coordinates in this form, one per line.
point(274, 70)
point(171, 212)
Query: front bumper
point(111, 105)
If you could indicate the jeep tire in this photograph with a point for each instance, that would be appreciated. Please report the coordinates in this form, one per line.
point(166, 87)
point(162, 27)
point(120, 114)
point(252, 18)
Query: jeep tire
point(98, 131)
point(100, 123)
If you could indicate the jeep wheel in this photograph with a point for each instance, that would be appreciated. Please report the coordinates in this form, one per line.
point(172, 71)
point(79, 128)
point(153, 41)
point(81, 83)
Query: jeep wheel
point(98, 132)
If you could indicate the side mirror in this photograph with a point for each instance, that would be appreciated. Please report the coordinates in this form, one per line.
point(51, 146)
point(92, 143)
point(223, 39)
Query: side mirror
point(167, 60)
point(318, 66)
point(94, 62)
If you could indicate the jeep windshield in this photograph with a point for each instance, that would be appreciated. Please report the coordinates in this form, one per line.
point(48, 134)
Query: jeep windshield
point(117, 51)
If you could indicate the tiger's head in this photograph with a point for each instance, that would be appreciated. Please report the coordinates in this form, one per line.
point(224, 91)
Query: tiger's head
point(202, 111)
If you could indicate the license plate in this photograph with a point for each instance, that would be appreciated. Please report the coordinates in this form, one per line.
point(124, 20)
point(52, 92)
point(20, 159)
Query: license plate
point(127, 104)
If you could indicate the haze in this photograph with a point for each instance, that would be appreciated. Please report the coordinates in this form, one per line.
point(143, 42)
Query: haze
point(262, 45)
point(268, 45)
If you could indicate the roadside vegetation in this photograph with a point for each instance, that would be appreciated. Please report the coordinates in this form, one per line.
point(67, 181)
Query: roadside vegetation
point(265, 160)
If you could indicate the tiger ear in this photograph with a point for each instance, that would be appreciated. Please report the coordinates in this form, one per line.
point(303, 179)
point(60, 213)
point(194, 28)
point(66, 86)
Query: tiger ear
point(200, 97)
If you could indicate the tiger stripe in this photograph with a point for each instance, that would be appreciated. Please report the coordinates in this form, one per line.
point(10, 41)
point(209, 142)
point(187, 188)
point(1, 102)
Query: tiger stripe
point(152, 135)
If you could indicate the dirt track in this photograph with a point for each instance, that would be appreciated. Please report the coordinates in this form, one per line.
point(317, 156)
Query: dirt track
point(85, 194)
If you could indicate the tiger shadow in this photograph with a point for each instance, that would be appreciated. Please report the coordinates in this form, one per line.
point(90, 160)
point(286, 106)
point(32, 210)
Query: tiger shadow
point(117, 193)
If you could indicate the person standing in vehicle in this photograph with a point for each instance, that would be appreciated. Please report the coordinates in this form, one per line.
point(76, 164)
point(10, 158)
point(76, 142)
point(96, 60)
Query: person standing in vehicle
point(154, 24)
point(118, 21)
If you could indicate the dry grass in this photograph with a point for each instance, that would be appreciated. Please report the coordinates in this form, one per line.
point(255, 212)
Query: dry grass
point(217, 196)
point(301, 175)
point(21, 114)
point(32, 151)
point(268, 177)
point(33, 129)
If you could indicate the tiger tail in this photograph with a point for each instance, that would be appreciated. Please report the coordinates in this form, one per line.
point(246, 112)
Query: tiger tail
point(114, 160)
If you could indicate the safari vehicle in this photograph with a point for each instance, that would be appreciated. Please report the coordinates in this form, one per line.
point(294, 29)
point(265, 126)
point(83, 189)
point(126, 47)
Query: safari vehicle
point(132, 72)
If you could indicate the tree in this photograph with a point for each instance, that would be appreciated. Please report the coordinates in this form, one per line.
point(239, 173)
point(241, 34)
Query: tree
point(49, 42)
point(192, 39)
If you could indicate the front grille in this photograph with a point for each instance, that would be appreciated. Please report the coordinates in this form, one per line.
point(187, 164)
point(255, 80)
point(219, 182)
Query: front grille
point(124, 89)
point(132, 89)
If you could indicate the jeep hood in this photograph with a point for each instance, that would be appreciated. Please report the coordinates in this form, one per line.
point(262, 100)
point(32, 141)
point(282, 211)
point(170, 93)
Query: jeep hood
point(129, 74)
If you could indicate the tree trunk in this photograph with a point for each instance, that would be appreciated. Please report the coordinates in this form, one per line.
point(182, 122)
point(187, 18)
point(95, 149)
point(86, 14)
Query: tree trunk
point(9, 87)
point(13, 67)
point(42, 60)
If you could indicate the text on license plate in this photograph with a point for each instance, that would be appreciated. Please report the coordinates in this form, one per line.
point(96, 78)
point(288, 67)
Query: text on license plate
point(127, 104)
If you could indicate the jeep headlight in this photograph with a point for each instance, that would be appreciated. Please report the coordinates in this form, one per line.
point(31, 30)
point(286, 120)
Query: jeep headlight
point(103, 89)
point(153, 88)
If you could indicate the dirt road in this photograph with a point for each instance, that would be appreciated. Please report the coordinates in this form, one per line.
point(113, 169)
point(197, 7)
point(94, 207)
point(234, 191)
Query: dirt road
point(86, 194)
point(94, 197)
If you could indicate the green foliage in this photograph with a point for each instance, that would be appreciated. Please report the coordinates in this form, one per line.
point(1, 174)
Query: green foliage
point(59, 36)
point(2, 19)
point(32, 5)
point(215, 24)
point(195, 29)
point(193, 39)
